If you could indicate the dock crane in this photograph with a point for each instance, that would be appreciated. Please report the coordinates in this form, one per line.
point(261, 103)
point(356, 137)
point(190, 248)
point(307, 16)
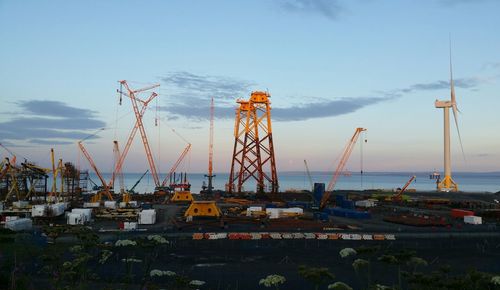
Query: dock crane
point(210, 175)
point(56, 171)
point(340, 166)
point(132, 189)
point(131, 94)
point(97, 197)
point(309, 175)
point(119, 164)
point(399, 195)
point(176, 164)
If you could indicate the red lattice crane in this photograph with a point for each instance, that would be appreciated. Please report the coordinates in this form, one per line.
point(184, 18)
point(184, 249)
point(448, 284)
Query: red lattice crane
point(340, 166)
point(97, 197)
point(132, 95)
point(210, 175)
point(119, 164)
point(174, 167)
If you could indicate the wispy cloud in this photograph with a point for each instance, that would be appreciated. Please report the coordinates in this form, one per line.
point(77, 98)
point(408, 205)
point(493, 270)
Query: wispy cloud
point(464, 83)
point(47, 122)
point(327, 8)
point(192, 86)
point(322, 109)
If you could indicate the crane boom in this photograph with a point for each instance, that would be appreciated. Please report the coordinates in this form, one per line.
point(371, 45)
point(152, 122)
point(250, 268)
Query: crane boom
point(174, 167)
point(96, 170)
point(116, 150)
point(144, 137)
point(399, 194)
point(340, 166)
point(121, 160)
point(309, 175)
point(138, 181)
point(210, 175)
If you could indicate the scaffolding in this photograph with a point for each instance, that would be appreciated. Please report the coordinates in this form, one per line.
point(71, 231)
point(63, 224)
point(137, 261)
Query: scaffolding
point(253, 152)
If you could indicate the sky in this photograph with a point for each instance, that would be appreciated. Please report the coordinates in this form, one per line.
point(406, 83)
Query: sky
point(329, 65)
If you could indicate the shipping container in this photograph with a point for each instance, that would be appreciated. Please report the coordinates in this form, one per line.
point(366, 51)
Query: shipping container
point(460, 213)
point(147, 217)
point(473, 220)
point(23, 224)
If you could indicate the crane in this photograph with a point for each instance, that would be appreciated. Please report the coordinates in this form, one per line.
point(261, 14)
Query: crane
point(119, 164)
point(211, 149)
point(309, 176)
point(340, 166)
point(174, 167)
point(399, 195)
point(131, 94)
point(131, 190)
point(116, 151)
point(98, 196)
point(56, 170)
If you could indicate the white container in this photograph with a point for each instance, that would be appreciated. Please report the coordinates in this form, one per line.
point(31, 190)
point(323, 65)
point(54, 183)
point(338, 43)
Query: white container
point(473, 220)
point(295, 210)
point(252, 209)
point(110, 204)
point(147, 217)
point(309, 236)
point(85, 212)
point(75, 219)
point(23, 224)
point(274, 213)
point(91, 204)
point(365, 203)
point(39, 210)
point(129, 226)
point(11, 218)
point(57, 209)
point(20, 204)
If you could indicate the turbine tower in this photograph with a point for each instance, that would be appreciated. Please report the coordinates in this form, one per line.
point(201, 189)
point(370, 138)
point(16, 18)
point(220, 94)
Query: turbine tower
point(447, 184)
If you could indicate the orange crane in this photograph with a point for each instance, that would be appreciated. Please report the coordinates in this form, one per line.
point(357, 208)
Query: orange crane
point(131, 94)
point(116, 150)
point(98, 196)
point(174, 167)
point(211, 149)
point(119, 164)
point(399, 195)
point(340, 166)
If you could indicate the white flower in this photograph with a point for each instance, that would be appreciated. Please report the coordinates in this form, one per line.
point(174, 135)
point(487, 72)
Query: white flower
point(157, 239)
point(339, 286)
point(105, 256)
point(124, 243)
point(197, 283)
point(272, 280)
point(346, 252)
point(161, 273)
point(495, 280)
point(131, 260)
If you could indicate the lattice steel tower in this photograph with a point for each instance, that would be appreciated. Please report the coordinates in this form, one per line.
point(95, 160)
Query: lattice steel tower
point(253, 153)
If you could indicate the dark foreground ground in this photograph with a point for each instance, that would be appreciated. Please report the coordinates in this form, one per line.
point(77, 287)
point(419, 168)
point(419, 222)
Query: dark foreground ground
point(238, 264)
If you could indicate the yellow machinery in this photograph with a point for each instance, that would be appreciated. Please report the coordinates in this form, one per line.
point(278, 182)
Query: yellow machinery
point(182, 196)
point(203, 209)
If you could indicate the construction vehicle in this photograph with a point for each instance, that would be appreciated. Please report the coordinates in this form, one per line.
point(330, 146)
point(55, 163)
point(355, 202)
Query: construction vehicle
point(398, 196)
point(340, 167)
point(132, 189)
point(105, 189)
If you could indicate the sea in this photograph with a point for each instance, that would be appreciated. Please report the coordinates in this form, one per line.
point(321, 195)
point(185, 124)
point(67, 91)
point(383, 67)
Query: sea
point(467, 181)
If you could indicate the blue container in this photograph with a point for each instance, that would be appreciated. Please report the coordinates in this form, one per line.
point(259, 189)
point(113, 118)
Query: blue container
point(349, 204)
point(301, 204)
point(339, 199)
point(271, 205)
point(319, 190)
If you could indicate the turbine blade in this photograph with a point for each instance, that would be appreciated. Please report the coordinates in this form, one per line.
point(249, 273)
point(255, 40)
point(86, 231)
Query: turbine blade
point(455, 117)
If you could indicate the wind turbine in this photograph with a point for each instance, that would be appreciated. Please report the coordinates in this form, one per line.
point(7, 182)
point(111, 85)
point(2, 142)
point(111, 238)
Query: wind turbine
point(447, 184)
